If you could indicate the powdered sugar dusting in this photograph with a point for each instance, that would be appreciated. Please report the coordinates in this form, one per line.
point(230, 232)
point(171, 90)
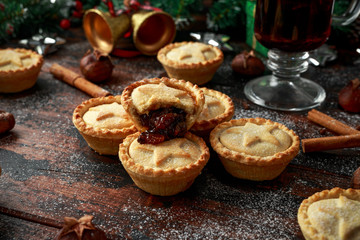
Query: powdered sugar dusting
point(49, 170)
point(247, 215)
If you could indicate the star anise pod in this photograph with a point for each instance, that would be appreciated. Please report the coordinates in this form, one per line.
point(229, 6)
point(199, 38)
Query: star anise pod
point(81, 229)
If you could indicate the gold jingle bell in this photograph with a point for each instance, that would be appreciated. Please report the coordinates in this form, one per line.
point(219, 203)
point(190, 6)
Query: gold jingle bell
point(152, 30)
point(103, 30)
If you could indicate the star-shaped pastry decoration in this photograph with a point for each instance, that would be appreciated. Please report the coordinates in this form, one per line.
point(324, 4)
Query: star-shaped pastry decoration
point(163, 151)
point(164, 90)
point(10, 56)
point(109, 111)
point(256, 133)
point(195, 52)
point(346, 213)
point(104, 114)
point(210, 102)
point(160, 93)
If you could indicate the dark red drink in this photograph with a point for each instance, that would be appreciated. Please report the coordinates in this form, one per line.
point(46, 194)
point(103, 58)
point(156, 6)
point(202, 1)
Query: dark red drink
point(293, 25)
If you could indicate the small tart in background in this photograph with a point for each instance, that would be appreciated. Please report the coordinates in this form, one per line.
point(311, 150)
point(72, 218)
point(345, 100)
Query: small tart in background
point(218, 108)
point(19, 69)
point(148, 102)
point(254, 148)
point(103, 123)
point(331, 214)
point(166, 168)
point(192, 61)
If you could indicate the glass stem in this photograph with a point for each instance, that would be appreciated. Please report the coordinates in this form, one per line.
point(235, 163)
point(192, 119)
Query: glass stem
point(287, 65)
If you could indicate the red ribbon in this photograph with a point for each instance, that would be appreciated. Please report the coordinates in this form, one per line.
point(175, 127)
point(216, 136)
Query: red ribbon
point(134, 6)
point(110, 6)
point(125, 53)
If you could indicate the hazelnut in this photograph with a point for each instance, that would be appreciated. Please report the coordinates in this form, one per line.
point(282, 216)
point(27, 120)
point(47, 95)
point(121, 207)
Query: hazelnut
point(247, 64)
point(349, 96)
point(96, 66)
point(355, 180)
point(7, 121)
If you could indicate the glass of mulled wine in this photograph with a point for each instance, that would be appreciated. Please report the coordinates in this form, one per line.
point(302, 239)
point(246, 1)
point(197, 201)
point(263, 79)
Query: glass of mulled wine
point(289, 29)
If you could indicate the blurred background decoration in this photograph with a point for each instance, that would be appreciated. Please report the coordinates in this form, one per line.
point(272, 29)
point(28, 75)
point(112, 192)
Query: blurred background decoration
point(26, 18)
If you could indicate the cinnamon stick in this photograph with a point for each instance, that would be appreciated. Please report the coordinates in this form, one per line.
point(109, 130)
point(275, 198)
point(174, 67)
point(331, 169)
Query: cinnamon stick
point(331, 123)
point(74, 79)
point(330, 143)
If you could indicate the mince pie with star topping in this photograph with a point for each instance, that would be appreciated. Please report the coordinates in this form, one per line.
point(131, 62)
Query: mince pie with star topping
point(166, 168)
point(192, 61)
point(254, 148)
point(331, 214)
point(162, 109)
point(218, 108)
point(19, 69)
point(103, 123)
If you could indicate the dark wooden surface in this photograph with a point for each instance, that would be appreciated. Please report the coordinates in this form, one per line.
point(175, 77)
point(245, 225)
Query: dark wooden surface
point(49, 172)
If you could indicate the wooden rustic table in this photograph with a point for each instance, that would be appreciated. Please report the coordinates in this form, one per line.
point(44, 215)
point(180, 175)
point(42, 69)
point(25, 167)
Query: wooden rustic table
point(49, 172)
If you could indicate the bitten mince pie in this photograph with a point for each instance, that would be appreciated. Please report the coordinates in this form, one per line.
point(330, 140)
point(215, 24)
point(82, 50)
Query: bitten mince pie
point(331, 214)
point(19, 69)
point(218, 108)
point(192, 61)
point(254, 148)
point(103, 123)
point(166, 168)
point(162, 109)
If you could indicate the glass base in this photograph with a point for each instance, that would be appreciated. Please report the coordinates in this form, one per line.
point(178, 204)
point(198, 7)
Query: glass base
point(281, 94)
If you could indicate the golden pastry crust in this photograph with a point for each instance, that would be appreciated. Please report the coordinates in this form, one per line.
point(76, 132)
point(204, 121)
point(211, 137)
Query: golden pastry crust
point(19, 69)
point(252, 165)
point(104, 140)
point(208, 119)
point(198, 72)
point(192, 109)
point(163, 178)
point(308, 228)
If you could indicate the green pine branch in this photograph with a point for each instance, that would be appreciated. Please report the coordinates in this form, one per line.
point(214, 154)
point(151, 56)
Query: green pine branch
point(26, 17)
point(225, 13)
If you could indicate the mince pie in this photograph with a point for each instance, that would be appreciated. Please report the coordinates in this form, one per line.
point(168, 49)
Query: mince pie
point(103, 123)
point(19, 69)
point(162, 109)
point(331, 214)
point(192, 61)
point(254, 148)
point(166, 168)
point(218, 108)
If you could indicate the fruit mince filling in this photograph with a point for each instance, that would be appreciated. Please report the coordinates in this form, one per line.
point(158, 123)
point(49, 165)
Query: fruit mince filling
point(163, 124)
